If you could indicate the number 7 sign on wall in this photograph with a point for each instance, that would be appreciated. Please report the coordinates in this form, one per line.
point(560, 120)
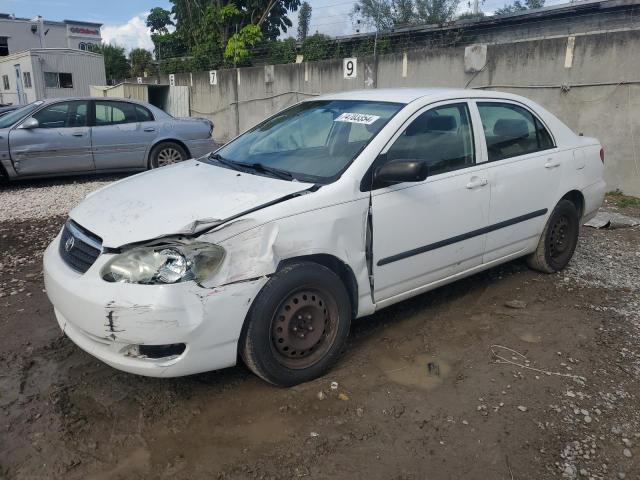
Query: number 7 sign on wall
point(350, 67)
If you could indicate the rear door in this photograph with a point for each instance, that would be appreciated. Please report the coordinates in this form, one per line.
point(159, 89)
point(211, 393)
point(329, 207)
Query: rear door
point(428, 231)
point(60, 144)
point(524, 171)
point(121, 135)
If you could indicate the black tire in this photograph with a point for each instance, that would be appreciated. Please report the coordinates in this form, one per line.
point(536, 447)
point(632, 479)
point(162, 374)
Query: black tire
point(166, 153)
point(558, 240)
point(282, 341)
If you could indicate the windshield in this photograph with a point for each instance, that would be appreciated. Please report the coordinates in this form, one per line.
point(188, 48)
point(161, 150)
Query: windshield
point(12, 117)
point(313, 141)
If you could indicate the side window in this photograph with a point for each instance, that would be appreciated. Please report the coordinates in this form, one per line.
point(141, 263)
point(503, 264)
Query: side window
point(114, 113)
point(63, 115)
point(511, 130)
point(441, 136)
point(27, 79)
point(144, 115)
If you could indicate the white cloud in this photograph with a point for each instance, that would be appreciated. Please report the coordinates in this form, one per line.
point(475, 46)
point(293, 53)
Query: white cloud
point(133, 34)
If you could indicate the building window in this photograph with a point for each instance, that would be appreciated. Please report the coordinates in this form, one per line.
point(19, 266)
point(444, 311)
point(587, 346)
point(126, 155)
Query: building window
point(27, 79)
point(58, 80)
point(4, 46)
point(5, 81)
point(50, 79)
point(66, 81)
point(82, 46)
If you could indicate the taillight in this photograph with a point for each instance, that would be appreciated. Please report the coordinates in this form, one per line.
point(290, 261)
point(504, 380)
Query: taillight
point(602, 155)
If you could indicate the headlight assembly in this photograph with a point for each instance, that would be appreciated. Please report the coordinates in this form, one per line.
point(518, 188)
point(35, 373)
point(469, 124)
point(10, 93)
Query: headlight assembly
point(163, 264)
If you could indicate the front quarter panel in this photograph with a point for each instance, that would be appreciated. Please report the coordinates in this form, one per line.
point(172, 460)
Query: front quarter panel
point(337, 230)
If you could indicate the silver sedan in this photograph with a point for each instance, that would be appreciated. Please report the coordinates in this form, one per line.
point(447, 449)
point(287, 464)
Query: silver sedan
point(95, 135)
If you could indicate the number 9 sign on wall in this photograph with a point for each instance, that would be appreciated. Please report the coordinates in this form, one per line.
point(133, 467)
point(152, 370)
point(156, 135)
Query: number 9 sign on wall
point(350, 67)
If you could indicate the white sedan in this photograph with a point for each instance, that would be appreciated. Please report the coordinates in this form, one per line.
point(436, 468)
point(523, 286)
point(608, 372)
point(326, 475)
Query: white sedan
point(331, 209)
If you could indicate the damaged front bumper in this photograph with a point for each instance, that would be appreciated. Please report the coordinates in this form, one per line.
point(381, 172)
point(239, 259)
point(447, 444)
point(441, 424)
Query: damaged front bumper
point(111, 320)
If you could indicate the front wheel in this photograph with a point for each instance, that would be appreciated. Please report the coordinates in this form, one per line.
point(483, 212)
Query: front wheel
point(297, 325)
point(558, 240)
point(166, 153)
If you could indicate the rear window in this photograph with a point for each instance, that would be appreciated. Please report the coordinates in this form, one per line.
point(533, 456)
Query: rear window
point(144, 115)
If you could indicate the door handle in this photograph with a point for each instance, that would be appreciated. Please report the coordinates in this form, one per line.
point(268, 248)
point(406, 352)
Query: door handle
point(149, 129)
point(551, 163)
point(476, 182)
point(78, 134)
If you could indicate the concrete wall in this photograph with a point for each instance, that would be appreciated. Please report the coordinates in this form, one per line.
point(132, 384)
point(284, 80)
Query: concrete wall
point(597, 92)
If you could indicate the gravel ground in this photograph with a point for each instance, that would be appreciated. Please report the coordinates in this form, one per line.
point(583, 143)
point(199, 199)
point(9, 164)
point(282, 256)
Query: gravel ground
point(419, 393)
point(38, 199)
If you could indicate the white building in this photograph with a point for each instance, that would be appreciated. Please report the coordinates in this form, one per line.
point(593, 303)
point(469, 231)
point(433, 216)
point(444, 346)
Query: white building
point(17, 34)
point(41, 73)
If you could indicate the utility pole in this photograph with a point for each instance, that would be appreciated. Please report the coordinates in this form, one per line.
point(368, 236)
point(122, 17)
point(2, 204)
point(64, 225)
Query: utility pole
point(476, 7)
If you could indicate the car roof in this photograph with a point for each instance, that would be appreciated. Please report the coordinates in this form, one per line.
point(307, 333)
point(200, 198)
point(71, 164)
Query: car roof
point(408, 95)
point(158, 112)
point(108, 99)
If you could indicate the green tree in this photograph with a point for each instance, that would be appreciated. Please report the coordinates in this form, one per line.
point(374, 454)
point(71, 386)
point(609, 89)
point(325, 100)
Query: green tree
point(388, 14)
point(471, 16)
point(519, 6)
point(225, 31)
point(316, 47)
point(282, 51)
point(141, 61)
point(240, 43)
point(115, 62)
point(158, 20)
point(304, 20)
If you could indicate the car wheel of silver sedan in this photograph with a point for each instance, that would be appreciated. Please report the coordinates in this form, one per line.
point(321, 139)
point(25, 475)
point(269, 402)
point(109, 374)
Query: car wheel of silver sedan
point(166, 153)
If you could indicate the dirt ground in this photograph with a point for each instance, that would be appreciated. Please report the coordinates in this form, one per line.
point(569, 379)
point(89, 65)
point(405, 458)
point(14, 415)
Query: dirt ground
point(420, 394)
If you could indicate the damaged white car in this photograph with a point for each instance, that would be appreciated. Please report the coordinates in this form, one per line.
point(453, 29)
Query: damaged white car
point(332, 209)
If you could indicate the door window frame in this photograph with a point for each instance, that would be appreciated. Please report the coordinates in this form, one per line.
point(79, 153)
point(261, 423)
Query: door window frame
point(51, 104)
point(92, 116)
point(474, 105)
point(480, 153)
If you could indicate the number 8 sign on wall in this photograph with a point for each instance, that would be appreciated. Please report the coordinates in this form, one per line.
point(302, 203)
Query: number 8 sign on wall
point(350, 67)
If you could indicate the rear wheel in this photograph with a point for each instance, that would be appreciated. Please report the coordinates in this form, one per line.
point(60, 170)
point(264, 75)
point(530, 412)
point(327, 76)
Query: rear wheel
point(297, 325)
point(558, 240)
point(166, 153)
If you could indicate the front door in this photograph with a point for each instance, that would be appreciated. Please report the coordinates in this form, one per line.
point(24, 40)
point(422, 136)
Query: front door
point(428, 231)
point(60, 144)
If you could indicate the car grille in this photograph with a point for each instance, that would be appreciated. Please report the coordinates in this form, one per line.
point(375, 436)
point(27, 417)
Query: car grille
point(78, 247)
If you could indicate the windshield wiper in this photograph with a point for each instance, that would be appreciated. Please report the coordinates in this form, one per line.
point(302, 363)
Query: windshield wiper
point(259, 167)
point(227, 163)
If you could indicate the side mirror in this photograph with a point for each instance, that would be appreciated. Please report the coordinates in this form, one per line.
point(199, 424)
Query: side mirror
point(398, 171)
point(30, 123)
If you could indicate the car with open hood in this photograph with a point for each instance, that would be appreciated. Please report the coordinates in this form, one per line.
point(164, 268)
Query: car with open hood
point(332, 209)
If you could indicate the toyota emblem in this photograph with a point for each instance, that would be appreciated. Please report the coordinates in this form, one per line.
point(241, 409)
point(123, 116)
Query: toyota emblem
point(68, 245)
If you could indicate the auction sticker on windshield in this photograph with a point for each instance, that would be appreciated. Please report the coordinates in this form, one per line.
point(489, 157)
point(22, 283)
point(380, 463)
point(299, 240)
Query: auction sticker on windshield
point(357, 118)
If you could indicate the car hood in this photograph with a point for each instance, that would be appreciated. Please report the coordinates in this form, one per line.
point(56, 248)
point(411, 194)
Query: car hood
point(180, 199)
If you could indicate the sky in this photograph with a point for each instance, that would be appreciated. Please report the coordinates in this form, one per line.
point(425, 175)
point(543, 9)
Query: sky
point(124, 21)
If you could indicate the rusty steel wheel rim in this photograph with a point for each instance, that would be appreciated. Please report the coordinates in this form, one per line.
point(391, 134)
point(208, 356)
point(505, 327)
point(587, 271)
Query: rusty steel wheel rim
point(559, 237)
point(304, 328)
